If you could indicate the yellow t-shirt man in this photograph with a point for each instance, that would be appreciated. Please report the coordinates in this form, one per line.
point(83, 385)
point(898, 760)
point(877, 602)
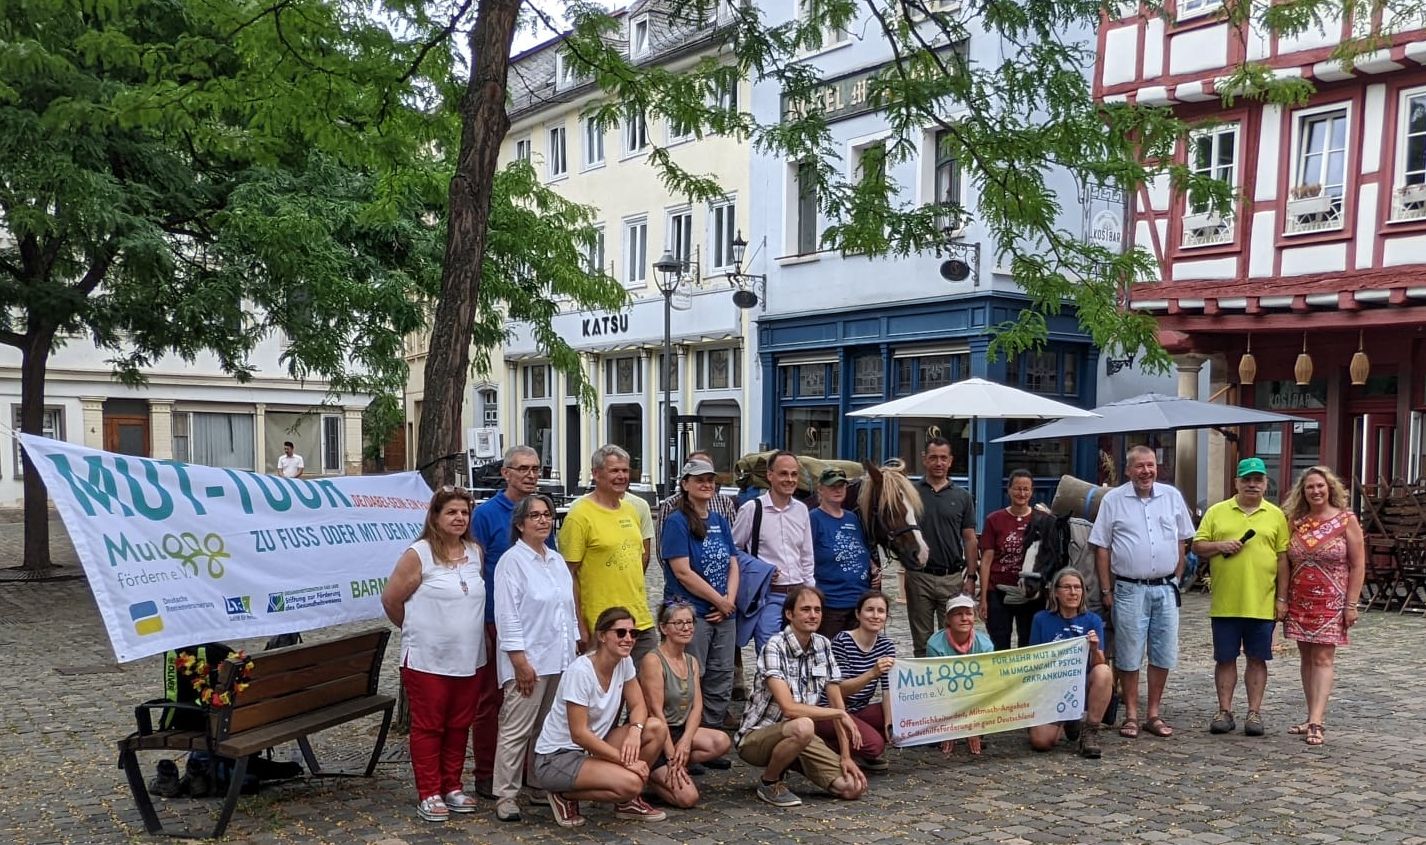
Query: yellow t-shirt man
point(1244, 585)
point(609, 545)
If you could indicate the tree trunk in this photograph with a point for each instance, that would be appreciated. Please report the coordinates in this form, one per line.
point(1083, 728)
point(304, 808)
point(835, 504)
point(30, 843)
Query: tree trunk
point(483, 127)
point(34, 358)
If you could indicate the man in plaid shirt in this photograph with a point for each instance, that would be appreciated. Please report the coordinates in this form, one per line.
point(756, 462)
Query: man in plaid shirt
point(778, 732)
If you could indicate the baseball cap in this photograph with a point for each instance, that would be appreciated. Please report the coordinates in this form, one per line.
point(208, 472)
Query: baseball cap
point(697, 467)
point(1252, 466)
point(961, 600)
point(832, 476)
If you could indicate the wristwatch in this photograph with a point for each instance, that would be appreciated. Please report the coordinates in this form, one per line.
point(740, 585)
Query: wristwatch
point(639, 725)
point(1106, 592)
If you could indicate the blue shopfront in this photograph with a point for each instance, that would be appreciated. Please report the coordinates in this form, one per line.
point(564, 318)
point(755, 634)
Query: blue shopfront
point(817, 367)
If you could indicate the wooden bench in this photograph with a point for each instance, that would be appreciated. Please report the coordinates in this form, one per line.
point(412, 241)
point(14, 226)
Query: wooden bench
point(292, 693)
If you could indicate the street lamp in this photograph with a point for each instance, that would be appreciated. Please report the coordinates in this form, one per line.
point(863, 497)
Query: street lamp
point(743, 283)
point(669, 273)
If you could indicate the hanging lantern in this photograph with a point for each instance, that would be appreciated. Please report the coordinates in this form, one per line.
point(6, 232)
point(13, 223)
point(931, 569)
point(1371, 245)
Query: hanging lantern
point(1361, 365)
point(1302, 370)
point(1248, 365)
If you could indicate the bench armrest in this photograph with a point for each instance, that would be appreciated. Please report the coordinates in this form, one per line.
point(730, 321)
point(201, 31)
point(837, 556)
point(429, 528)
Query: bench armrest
point(143, 714)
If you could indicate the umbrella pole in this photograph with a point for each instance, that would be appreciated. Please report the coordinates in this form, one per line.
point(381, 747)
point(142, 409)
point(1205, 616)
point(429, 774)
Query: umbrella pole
point(971, 469)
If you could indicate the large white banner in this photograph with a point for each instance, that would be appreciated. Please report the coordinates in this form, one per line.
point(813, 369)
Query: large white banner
point(178, 554)
point(939, 698)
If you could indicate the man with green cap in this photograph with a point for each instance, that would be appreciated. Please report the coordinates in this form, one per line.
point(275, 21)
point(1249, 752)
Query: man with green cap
point(1244, 540)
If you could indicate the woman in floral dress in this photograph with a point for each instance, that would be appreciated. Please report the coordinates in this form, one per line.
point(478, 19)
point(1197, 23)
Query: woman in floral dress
point(1328, 563)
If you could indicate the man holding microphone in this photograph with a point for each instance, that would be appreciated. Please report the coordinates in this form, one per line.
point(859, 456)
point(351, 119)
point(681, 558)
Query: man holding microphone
point(1244, 539)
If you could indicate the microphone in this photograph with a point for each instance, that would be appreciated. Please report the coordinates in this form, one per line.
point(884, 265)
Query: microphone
point(1248, 535)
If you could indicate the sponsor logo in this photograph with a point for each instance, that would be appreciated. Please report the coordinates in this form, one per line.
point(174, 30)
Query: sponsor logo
point(146, 618)
point(238, 605)
point(302, 599)
point(276, 602)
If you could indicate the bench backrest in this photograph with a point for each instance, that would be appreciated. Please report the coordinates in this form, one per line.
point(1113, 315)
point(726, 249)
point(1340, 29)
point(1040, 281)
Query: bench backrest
point(298, 679)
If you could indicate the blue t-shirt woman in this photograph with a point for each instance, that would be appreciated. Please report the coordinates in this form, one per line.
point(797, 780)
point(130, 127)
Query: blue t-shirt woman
point(841, 561)
point(709, 557)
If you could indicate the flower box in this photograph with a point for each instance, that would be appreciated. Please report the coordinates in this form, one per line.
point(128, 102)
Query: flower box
point(1207, 223)
point(1316, 206)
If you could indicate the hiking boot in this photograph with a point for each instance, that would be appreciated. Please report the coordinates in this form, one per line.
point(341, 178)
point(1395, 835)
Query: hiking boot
point(873, 764)
point(639, 810)
point(166, 784)
point(1222, 723)
point(778, 795)
point(1253, 725)
point(1089, 741)
point(507, 810)
point(198, 780)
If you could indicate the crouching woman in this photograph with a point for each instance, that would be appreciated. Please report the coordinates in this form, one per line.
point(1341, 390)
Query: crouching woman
point(581, 755)
point(1066, 615)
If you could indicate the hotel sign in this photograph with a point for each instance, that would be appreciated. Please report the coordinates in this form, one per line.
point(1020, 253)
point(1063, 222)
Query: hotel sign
point(842, 97)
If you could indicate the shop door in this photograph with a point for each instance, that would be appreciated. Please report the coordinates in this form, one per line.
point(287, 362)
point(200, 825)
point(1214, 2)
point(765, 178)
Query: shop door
point(867, 440)
point(127, 435)
point(1374, 459)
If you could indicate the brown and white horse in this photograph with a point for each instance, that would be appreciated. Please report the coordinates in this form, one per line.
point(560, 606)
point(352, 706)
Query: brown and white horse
point(890, 507)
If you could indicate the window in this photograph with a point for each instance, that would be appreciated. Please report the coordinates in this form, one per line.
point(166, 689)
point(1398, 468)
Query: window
point(726, 96)
point(1212, 153)
point(946, 183)
point(916, 371)
point(222, 440)
point(489, 409)
point(558, 163)
point(680, 235)
point(595, 256)
point(182, 442)
point(636, 134)
point(868, 375)
point(825, 36)
point(1196, 8)
point(724, 230)
point(719, 369)
point(1047, 371)
point(806, 209)
point(678, 131)
point(51, 426)
point(623, 375)
point(535, 379)
point(636, 252)
point(639, 37)
point(522, 149)
point(1409, 200)
point(917, 12)
point(593, 143)
point(566, 75)
point(331, 443)
point(1319, 172)
point(673, 383)
point(811, 380)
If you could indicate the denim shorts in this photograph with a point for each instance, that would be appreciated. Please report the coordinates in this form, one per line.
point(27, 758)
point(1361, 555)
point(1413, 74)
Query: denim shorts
point(1231, 634)
point(1144, 617)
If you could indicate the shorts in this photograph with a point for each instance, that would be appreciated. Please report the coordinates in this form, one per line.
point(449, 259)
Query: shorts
point(1232, 634)
point(556, 772)
point(1145, 616)
point(817, 762)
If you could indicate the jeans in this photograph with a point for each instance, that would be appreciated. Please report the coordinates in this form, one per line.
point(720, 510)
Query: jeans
point(1144, 617)
point(713, 647)
point(1002, 617)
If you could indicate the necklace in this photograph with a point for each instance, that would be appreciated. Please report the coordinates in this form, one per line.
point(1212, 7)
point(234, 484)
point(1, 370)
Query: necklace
point(1019, 517)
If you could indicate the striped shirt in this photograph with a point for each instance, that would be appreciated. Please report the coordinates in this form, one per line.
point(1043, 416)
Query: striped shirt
point(853, 662)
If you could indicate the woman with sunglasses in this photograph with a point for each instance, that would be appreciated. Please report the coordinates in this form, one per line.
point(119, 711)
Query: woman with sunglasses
point(536, 629)
point(436, 597)
point(669, 678)
point(581, 755)
point(1066, 616)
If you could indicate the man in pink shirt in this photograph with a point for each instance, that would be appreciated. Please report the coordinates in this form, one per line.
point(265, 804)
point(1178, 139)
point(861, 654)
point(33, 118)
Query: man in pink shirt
point(784, 539)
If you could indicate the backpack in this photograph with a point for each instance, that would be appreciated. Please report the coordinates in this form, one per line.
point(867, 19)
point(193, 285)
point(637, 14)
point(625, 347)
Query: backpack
point(178, 686)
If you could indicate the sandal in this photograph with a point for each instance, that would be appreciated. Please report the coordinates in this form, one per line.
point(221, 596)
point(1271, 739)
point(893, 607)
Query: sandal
point(1130, 729)
point(1158, 727)
point(1316, 734)
point(1300, 729)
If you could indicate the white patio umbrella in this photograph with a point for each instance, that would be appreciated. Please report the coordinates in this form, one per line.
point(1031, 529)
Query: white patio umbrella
point(974, 399)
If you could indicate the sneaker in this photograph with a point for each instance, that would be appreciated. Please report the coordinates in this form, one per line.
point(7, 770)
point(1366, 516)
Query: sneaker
point(722, 764)
point(166, 783)
point(1222, 723)
point(566, 811)
point(507, 810)
point(459, 802)
point(1089, 742)
point(778, 795)
point(873, 764)
point(1253, 725)
point(639, 810)
point(433, 809)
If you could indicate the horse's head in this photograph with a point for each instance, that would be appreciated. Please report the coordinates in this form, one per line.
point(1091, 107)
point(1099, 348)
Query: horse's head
point(890, 508)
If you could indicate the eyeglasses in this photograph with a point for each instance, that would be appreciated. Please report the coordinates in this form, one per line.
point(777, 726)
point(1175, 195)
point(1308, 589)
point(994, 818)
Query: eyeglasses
point(679, 623)
point(1079, 587)
point(540, 516)
point(624, 633)
point(529, 470)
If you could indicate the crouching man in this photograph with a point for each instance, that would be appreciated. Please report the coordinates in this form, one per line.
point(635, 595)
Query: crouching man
point(778, 731)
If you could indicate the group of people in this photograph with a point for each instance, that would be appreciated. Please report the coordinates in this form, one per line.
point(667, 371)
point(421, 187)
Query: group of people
point(537, 647)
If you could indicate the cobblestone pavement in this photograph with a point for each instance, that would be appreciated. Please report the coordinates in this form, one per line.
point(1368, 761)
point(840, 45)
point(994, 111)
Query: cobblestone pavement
point(58, 781)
